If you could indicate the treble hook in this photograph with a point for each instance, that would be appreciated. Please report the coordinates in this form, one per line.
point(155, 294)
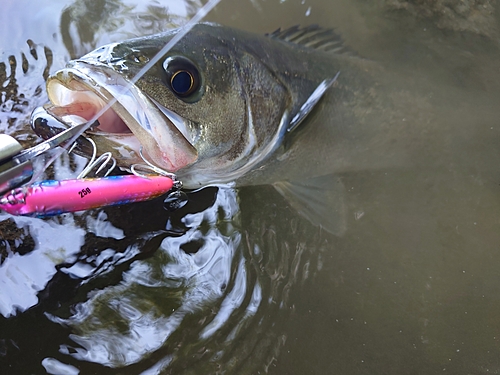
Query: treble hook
point(153, 168)
point(103, 159)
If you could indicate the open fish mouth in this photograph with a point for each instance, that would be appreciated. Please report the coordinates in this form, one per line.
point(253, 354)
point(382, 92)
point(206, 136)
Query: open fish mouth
point(81, 91)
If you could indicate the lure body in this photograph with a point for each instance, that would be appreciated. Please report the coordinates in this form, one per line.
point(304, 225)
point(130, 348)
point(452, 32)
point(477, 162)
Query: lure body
point(50, 197)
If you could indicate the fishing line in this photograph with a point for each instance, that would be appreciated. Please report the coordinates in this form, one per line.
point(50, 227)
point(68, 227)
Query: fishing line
point(200, 14)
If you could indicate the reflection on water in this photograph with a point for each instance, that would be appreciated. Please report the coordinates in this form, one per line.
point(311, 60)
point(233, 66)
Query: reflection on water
point(23, 276)
point(120, 324)
point(237, 281)
point(160, 300)
point(86, 24)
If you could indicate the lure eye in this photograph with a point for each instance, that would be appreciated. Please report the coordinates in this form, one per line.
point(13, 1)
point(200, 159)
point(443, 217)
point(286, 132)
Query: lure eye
point(182, 76)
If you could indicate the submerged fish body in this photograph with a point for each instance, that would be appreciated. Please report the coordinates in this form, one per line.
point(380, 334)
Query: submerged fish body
point(217, 107)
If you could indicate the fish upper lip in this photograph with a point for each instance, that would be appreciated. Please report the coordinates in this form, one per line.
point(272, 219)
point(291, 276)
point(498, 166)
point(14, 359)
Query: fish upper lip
point(84, 89)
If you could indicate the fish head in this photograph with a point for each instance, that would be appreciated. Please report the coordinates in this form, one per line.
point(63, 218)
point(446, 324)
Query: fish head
point(209, 110)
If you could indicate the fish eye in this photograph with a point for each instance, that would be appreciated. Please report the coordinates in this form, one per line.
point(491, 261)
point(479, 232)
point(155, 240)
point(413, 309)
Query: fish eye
point(182, 76)
point(182, 82)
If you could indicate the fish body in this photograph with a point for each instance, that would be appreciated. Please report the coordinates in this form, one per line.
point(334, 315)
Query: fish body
point(218, 106)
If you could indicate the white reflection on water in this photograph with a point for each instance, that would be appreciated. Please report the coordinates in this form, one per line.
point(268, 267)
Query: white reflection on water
point(53, 366)
point(121, 324)
point(23, 276)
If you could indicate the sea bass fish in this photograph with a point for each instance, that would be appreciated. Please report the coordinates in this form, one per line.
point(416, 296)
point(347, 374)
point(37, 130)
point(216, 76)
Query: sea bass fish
point(218, 107)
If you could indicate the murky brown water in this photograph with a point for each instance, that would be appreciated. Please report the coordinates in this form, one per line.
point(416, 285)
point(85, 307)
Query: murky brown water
point(237, 281)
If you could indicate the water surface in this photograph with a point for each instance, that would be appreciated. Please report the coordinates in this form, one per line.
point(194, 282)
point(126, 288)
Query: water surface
point(238, 281)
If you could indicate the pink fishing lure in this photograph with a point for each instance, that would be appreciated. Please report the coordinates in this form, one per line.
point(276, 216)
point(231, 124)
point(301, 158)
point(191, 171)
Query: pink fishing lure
point(50, 197)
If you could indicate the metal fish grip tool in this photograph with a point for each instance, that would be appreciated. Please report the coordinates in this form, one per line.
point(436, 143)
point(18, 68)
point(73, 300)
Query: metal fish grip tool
point(16, 163)
point(14, 172)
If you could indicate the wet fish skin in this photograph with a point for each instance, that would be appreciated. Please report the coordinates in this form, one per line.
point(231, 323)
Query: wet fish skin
point(251, 86)
point(241, 97)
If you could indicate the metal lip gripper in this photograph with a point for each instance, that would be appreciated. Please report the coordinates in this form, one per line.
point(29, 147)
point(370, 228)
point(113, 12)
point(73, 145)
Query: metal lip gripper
point(16, 167)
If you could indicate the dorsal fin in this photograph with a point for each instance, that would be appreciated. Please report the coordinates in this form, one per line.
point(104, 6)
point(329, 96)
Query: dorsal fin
point(313, 36)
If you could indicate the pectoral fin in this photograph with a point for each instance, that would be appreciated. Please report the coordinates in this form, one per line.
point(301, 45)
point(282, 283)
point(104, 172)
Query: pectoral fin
point(320, 200)
point(311, 102)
